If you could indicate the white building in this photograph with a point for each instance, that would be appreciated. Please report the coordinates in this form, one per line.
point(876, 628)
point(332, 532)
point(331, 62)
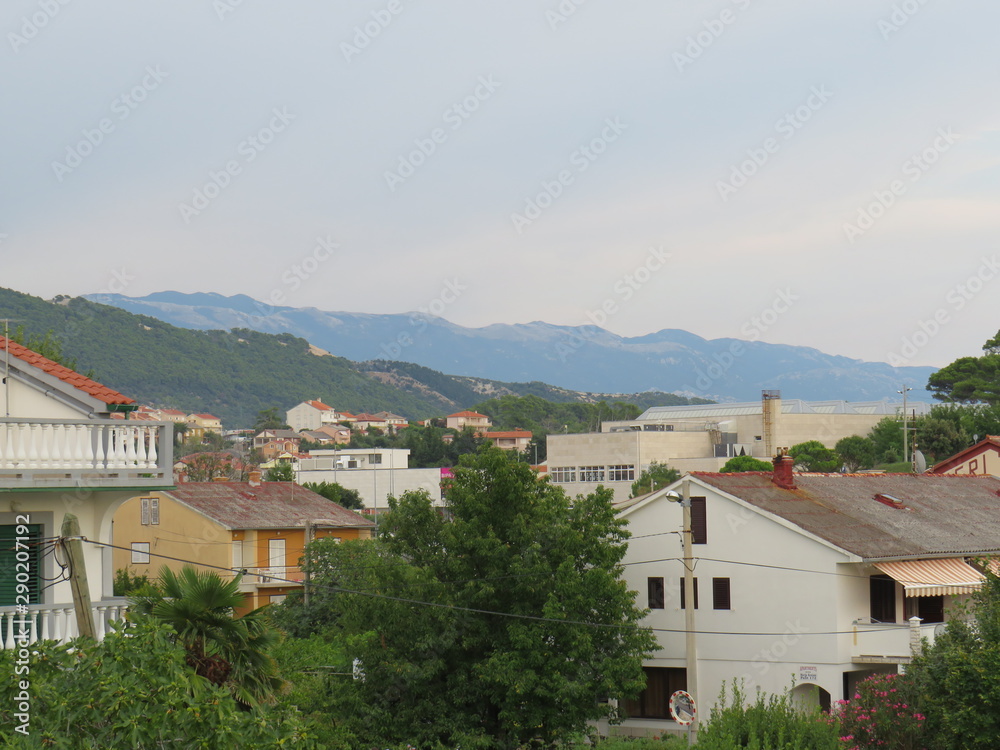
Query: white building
point(65, 449)
point(705, 437)
point(811, 577)
point(376, 473)
point(311, 415)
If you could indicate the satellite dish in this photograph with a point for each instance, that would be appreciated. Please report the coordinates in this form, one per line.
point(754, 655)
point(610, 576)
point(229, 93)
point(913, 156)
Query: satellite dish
point(940, 629)
point(920, 462)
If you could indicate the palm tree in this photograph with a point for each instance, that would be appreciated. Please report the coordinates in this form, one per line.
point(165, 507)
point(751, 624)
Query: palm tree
point(223, 649)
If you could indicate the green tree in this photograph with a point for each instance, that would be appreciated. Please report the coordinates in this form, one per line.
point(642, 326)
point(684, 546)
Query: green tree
point(280, 473)
point(970, 380)
point(957, 678)
point(134, 689)
point(269, 419)
point(126, 584)
point(887, 440)
point(350, 499)
point(226, 650)
point(658, 475)
point(531, 623)
point(812, 455)
point(745, 463)
point(856, 452)
point(940, 438)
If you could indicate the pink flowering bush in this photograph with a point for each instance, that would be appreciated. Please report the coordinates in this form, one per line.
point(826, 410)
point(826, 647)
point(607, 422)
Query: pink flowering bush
point(880, 717)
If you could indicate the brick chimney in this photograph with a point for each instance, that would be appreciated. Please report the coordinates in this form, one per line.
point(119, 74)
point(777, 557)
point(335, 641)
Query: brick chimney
point(782, 475)
point(254, 479)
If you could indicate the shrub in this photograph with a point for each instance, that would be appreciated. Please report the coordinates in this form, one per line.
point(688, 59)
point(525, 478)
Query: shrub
point(880, 716)
point(771, 722)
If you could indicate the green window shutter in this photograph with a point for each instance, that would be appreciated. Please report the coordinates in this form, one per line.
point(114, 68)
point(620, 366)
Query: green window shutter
point(30, 557)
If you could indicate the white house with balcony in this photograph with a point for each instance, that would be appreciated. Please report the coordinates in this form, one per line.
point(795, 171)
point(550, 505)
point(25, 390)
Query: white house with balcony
point(376, 473)
point(66, 447)
point(816, 578)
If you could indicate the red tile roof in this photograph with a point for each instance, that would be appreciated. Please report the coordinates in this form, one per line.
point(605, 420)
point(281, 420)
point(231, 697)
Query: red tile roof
point(368, 418)
point(509, 434)
point(269, 505)
point(206, 416)
point(75, 379)
point(991, 442)
point(467, 414)
point(319, 405)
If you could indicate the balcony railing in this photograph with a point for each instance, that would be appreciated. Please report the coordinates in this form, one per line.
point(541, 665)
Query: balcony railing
point(273, 576)
point(889, 643)
point(96, 452)
point(54, 622)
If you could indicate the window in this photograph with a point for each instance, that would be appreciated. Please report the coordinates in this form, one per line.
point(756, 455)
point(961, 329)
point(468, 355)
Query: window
point(149, 511)
point(621, 473)
point(655, 588)
point(591, 473)
point(883, 599)
point(699, 521)
point(237, 554)
point(140, 552)
point(375, 458)
point(276, 598)
point(654, 701)
point(683, 599)
point(927, 608)
point(20, 563)
point(720, 594)
point(563, 474)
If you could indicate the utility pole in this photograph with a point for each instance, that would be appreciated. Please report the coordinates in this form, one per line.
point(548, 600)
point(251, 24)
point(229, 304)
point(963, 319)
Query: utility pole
point(71, 542)
point(305, 554)
point(690, 646)
point(905, 423)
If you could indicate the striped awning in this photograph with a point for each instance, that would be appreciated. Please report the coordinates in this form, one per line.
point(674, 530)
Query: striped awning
point(933, 577)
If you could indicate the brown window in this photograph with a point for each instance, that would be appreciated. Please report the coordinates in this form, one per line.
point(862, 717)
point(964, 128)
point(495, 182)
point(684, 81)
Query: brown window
point(699, 521)
point(927, 608)
point(720, 593)
point(654, 701)
point(695, 585)
point(883, 599)
point(655, 589)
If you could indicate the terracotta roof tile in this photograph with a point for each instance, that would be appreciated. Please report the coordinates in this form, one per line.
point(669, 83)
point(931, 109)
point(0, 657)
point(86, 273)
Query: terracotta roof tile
point(269, 505)
point(319, 405)
point(85, 384)
point(466, 414)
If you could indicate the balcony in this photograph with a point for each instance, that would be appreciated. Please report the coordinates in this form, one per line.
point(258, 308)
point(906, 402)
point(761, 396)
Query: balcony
point(56, 622)
point(100, 453)
point(273, 576)
point(877, 643)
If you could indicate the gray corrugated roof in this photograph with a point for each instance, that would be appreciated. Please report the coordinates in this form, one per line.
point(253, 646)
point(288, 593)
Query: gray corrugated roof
point(788, 406)
point(942, 515)
point(269, 505)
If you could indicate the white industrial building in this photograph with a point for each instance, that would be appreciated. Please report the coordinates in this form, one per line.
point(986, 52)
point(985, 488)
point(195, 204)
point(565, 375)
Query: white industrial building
point(376, 473)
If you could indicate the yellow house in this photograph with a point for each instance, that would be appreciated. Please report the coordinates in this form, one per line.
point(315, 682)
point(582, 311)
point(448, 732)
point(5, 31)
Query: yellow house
point(257, 527)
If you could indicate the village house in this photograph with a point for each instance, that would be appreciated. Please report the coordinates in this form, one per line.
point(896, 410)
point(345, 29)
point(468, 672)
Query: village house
point(510, 440)
point(257, 527)
point(981, 459)
point(311, 415)
point(62, 452)
point(820, 579)
point(462, 419)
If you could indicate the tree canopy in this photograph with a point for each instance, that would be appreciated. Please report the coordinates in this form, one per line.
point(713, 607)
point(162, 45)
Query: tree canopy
point(656, 476)
point(500, 622)
point(745, 463)
point(812, 455)
point(970, 380)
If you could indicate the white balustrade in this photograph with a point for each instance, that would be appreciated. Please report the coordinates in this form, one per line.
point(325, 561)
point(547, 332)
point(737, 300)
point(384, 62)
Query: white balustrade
point(53, 623)
point(101, 446)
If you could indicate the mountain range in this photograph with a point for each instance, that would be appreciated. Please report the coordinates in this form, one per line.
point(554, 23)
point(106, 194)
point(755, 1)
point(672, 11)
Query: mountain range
point(578, 358)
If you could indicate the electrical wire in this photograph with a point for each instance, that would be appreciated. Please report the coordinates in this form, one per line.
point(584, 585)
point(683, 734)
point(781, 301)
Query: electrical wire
point(476, 610)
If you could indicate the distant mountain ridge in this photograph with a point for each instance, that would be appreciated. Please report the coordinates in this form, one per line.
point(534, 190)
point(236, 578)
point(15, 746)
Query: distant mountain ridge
point(579, 358)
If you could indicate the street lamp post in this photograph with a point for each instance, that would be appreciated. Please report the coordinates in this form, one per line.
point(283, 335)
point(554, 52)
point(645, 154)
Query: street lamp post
point(905, 423)
point(690, 646)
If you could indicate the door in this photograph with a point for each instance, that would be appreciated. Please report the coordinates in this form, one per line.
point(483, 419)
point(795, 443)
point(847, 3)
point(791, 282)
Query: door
point(276, 557)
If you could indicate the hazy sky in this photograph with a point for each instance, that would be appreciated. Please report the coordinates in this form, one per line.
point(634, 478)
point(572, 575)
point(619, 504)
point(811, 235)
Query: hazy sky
point(816, 172)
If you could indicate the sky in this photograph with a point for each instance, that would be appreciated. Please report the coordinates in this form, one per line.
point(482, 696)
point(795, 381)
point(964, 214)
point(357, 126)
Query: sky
point(819, 173)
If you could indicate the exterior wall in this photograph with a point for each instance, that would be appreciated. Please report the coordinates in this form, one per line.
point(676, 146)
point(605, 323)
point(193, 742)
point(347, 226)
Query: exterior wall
point(28, 402)
point(303, 417)
point(827, 428)
point(798, 591)
point(477, 423)
point(985, 464)
point(181, 533)
point(376, 485)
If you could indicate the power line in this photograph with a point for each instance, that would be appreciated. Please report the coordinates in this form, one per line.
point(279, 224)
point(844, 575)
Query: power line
point(476, 610)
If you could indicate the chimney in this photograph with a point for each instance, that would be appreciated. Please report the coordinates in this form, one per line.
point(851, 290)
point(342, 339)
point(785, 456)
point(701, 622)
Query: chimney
point(255, 479)
point(782, 475)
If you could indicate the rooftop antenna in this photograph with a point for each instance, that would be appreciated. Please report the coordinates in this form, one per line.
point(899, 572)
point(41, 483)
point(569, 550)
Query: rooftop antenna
point(6, 363)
